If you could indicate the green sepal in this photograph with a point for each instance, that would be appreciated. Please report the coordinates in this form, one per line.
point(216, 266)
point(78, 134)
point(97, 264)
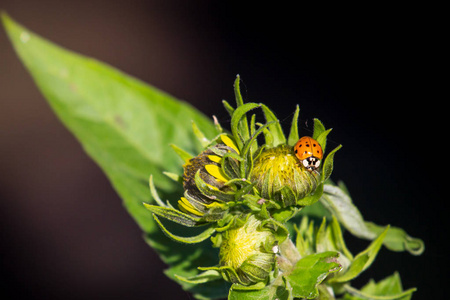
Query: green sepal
point(184, 155)
point(204, 277)
point(285, 196)
point(327, 168)
point(275, 129)
point(243, 125)
point(154, 193)
point(285, 214)
point(236, 125)
point(211, 191)
point(200, 135)
point(256, 267)
point(173, 215)
point(252, 139)
point(311, 199)
point(228, 107)
point(248, 288)
point(227, 272)
point(361, 261)
point(320, 134)
point(268, 137)
point(186, 240)
point(293, 133)
point(279, 289)
point(319, 128)
point(175, 177)
point(310, 271)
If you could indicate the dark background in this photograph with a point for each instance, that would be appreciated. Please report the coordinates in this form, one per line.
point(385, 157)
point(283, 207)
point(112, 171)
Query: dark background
point(369, 72)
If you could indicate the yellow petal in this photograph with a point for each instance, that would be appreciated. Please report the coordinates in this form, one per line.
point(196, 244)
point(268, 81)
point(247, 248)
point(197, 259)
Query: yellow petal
point(229, 142)
point(215, 158)
point(216, 171)
point(187, 207)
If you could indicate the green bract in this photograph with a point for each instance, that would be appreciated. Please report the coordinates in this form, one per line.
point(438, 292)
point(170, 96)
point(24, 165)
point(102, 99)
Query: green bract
point(227, 214)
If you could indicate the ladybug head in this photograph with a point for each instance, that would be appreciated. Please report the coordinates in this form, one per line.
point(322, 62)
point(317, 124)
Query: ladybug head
point(311, 163)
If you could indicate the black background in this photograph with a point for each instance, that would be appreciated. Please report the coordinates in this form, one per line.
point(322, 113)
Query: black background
point(371, 72)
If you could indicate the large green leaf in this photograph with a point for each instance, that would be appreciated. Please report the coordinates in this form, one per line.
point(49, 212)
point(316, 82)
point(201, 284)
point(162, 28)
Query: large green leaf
point(310, 271)
point(125, 126)
point(337, 200)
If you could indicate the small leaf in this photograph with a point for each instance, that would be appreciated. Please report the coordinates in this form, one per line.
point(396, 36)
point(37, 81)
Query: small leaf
point(186, 240)
point(310, 271)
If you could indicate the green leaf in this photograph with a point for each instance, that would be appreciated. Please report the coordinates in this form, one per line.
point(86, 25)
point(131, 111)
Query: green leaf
point(310, 271)
point(362, 261)
point(398, 240)
point(124, 125)
point(339, 238)
point(389, 288)
point(339, 203)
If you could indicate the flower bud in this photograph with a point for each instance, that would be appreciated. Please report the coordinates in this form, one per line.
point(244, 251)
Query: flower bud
point(205, 183)
point(277, 169)
point(247, 254)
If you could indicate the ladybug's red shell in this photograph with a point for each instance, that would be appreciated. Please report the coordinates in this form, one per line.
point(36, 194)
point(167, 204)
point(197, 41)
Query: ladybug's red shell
point(309, 152)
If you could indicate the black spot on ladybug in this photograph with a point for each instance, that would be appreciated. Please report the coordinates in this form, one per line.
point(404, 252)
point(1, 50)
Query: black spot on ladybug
point(295, 151)
point(318, 151)
point(305, 152)
point(307, 145)
point(314, 145)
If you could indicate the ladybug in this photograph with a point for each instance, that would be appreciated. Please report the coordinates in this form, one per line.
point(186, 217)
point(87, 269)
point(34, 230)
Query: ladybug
point(309, 152)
